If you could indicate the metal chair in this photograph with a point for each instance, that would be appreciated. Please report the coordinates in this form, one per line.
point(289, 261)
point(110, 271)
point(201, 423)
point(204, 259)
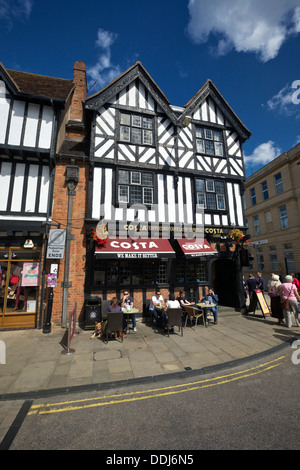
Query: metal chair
point(114, 323)
point(193, 314)
point(175, 318)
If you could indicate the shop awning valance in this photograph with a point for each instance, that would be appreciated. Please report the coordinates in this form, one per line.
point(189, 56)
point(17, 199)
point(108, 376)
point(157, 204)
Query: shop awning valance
point(196, 247)
point(128, 248)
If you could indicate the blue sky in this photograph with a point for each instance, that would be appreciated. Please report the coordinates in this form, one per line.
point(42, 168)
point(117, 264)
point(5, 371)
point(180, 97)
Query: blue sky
point(249, 49)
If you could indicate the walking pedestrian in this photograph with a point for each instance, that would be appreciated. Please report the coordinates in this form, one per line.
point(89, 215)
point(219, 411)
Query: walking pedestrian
point(273, 291)
point(289, 297)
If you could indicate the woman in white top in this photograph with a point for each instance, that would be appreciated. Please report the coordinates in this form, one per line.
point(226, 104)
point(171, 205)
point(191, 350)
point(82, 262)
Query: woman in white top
point(172, 303)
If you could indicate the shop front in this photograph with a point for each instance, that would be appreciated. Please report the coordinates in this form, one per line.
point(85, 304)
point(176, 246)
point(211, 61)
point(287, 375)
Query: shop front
point(144, 264)
point(19, 286)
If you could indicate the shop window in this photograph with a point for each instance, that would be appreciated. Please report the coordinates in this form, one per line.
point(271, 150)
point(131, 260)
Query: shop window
point(189, 271)
point(110, 273)
point(19, 280)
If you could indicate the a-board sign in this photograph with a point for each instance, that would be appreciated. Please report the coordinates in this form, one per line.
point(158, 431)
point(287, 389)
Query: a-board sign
point(257, 296)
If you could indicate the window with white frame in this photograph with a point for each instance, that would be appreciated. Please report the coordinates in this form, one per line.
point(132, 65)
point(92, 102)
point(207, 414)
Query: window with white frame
point(136, 128)
point(210, 194)
point(264, 189)
point(278, 183)
point(283, 216)
point(253, 196)
point(274, 262)
point(135, 187)
point(256, 225)
point(209, 141)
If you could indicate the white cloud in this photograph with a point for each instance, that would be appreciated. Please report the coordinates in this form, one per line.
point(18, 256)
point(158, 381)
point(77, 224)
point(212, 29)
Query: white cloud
point(15, 9)
point(262, 155)
point(104, 71)
point(258, 26)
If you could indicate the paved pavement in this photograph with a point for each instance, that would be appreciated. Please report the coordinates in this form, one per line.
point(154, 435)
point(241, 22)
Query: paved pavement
point(35, 365)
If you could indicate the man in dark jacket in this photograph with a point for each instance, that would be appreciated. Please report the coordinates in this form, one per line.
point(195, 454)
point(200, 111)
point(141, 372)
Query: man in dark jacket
point(251, 285)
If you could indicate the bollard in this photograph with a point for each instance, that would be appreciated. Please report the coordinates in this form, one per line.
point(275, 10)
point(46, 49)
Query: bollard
point(47, 326)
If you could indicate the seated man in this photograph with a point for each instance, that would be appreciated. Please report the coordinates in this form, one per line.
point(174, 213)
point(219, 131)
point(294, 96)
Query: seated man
point(212, 298)
point(158, 313)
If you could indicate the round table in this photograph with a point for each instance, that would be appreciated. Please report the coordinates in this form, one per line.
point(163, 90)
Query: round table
point(205, 307)
point(129, 312)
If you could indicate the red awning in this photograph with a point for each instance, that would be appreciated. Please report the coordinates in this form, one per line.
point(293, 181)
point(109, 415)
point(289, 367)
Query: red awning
point(126, 248)
point(196, 247)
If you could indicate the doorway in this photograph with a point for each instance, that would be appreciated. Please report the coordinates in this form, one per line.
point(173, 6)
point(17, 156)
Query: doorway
point(223, 275)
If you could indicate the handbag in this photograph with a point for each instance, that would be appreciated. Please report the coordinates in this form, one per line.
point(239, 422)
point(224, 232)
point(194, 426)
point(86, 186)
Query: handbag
point(285, 303)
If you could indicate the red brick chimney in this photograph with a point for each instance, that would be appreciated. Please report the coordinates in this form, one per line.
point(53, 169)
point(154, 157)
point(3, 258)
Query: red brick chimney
point(75, 126)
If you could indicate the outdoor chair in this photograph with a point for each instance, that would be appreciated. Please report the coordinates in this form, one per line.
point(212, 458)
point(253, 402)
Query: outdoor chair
point(175, 318)
point(104, 307)
point(193, 315)
point(114, 323)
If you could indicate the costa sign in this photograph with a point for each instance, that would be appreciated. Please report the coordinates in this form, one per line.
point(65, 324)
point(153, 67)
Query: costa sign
point(196, 248)
point(139, 248)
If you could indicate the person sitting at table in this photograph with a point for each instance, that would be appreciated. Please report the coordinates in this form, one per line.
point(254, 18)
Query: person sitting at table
point(212, 298)
point(171, 303)
point(183, 300)
point(127, 302)
point(113, 308)
point(158, 313)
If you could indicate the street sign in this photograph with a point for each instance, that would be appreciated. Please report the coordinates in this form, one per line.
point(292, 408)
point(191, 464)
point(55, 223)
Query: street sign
point(56, 243)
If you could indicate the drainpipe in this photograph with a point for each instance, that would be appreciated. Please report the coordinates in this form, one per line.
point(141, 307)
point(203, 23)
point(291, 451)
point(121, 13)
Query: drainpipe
point(71, 178)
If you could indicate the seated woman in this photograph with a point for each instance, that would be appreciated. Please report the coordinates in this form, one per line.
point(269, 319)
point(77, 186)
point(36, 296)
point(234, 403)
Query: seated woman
point(114, 307)
point(212, 298)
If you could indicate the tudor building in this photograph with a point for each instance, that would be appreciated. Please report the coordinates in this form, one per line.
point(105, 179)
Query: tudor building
point(155, 175)
point(162, 174)
point(32, 109)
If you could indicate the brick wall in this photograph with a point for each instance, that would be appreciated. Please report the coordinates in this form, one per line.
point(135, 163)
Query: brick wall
point(78, 244)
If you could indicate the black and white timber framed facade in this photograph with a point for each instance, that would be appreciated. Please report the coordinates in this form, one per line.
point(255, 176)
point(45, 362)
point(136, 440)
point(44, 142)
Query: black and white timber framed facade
point(154, 165)
point(30, 110)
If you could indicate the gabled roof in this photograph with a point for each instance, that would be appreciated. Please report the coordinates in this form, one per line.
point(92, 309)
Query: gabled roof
point(176, 114)
point(209, 89)
point(39, 86)
point(118, 84)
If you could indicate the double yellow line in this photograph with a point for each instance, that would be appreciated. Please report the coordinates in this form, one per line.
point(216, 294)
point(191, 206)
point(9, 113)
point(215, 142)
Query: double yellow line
point(152, 393)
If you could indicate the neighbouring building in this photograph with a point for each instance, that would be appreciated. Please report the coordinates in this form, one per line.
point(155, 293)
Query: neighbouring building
point(124, 166)
point(272, 198)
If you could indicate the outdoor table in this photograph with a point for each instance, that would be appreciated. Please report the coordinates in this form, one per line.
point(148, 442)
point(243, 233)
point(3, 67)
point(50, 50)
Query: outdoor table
point(129, 312)
point(205, 307)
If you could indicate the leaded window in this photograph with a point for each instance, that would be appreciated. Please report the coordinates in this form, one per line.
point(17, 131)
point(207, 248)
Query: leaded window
point(210, 194)
point(209, 141)
point(135, 187)
point(136, 129)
